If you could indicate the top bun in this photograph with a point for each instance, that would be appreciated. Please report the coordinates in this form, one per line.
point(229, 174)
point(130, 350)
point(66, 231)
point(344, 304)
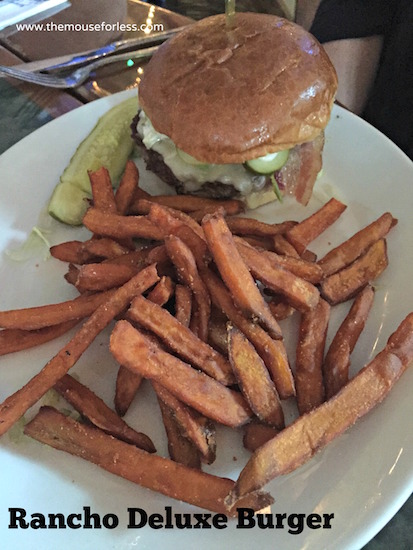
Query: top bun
point(227, 95)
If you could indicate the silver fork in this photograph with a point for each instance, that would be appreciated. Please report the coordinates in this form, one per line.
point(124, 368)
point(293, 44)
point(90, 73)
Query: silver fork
point(76, 77)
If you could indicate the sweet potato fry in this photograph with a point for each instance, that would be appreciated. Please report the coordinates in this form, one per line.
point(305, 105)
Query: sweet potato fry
point(254, 380)
point(271, 351)
point(120, 227)
point(34, 318)
point(309, 256)
point(69, 252)
point(229, 208)
point(180, 339)
point(71, 275)
point(100, 276)
point(138, 194)
point(400, 342)
point(198, 215)
point(209, 397)
point(302, 234)
point(309, 271)
point(138, 258)
point(232, 207)
point(197, 246)
point(183, 304)
point(173, 222)
point(195, 427)
point(299, 442)
point(280, 308)
point(337, 359)
point(283, 247)
point(217, 331)
point(127, 385)
point(148, 470)
point(127, 382)
point(161, 216)
point(180, 448)
point(251, 226)
point(16, 404)
point(103, 198)
point(301, 294)
point(102, 248)
point(256, 434)
point(12, 340)
point(344, 254)
point(158, 255)
point(89, 405)
point(262, 243)
point(102, 190)
point(169, 219)
point(126, 188)
point(162, 292)
point(235, 273)
point(188, 203)
point(345, 284)
point(184, 261)
point(309, 358)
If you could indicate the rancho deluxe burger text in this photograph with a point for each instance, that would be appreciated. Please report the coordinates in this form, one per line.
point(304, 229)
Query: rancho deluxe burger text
point(138, 518)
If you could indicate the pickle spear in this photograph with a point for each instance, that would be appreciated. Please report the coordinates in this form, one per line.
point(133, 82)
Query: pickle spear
point(109, 144)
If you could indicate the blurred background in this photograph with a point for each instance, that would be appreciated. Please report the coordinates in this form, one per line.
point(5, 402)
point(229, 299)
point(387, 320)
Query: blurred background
point(200, 9)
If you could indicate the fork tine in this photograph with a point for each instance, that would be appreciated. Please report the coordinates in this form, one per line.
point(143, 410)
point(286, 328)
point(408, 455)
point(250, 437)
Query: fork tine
point(78, 76)
point(35, 78)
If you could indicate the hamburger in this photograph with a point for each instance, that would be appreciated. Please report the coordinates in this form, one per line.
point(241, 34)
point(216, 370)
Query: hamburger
point(237, 111)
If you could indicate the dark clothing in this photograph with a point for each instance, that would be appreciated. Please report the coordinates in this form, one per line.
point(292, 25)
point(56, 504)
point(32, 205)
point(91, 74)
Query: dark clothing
point(390, 104)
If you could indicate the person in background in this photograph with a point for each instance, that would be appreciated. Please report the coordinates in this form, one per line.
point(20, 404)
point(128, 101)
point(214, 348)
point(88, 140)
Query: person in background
point(370, 43)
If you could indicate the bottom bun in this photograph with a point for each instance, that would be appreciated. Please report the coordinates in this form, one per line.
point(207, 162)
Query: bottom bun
point(259, 198)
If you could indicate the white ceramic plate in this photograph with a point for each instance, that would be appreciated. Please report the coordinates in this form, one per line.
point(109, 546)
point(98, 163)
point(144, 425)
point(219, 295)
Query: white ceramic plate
point(362, 478)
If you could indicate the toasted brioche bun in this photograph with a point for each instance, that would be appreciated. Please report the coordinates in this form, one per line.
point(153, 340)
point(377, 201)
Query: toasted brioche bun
point(227, 95)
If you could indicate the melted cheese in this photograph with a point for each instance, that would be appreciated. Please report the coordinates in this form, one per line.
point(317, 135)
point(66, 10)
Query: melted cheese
point(193, 176)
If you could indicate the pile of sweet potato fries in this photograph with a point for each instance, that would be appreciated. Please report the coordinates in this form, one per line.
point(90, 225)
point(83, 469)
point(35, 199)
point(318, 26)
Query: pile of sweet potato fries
point(196, 292)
